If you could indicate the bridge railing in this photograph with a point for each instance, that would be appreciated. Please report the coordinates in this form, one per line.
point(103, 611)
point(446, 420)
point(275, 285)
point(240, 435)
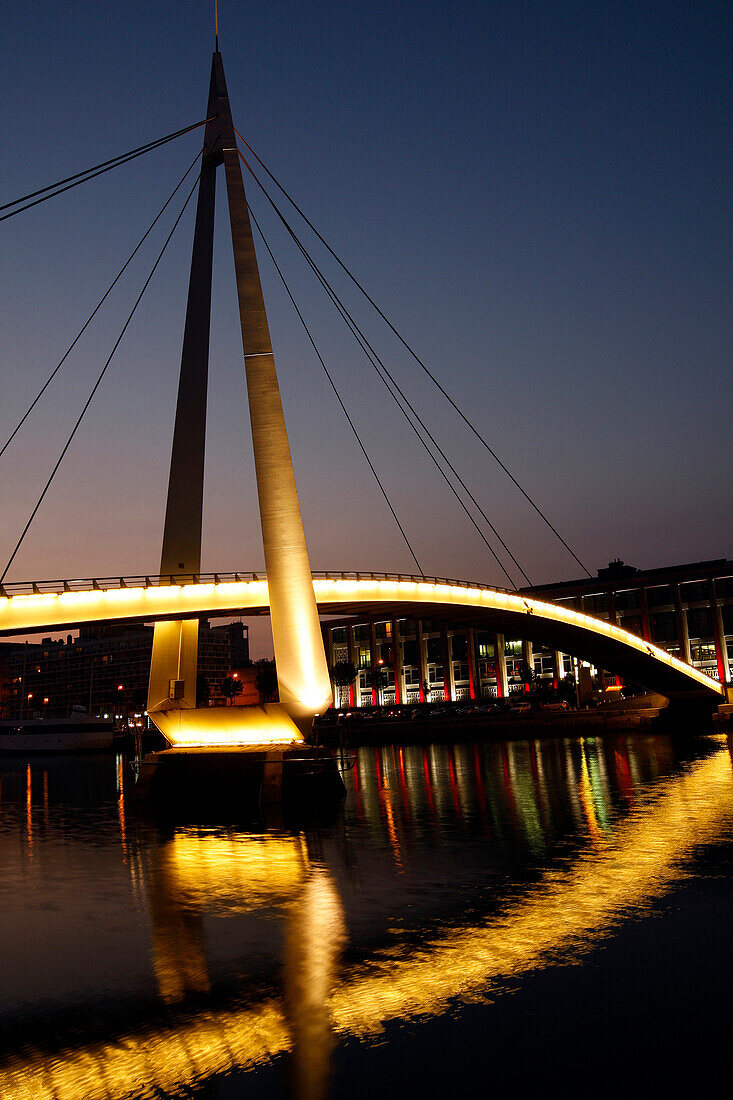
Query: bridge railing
point(150, 580)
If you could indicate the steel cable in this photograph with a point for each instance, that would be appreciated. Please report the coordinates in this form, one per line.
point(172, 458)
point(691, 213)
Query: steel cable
point(92, 173)
point(335, 390)
point(383, 371)
point(96, 309)
point(99, 379)
point(417, 359)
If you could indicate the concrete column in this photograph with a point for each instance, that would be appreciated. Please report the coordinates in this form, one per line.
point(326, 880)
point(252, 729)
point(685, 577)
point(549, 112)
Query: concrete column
point(721, 653)
point(373, 662)
point(304, 683)
point(682, 633)
point(646, 624)
point(447, 669)
point(502, 682)
point(528, 658)
point(557, 668)
point(422, 663)
point(612, 613)
point(473, 676)
point(397, 663)
point(351, 645)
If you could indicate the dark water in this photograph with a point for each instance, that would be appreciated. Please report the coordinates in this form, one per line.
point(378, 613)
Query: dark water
point(477, 918)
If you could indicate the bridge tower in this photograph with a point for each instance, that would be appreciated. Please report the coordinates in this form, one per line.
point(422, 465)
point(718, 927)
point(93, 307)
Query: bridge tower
point(302, 671)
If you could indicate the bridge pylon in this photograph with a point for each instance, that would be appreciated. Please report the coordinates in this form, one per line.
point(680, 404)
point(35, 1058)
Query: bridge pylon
point(302, 671)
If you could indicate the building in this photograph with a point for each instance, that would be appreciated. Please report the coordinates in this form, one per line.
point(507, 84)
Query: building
point(105, 670)
point(685, 609)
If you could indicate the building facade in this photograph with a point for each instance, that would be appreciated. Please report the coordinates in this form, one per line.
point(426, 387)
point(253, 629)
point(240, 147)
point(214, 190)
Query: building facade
point(105, 670)
point(686, 610)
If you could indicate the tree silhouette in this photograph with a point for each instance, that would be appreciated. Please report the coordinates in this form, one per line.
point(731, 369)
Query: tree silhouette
point(202, 691)
point(266, 681)
point(230, 688)
point(343, 674)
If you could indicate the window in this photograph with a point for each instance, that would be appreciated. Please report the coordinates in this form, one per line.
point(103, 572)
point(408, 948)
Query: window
point(702, 652)
point(699, 624)
point(658, 597)
point(694, 592)
point(664, 626)
point(596, 604)
point(628, 601)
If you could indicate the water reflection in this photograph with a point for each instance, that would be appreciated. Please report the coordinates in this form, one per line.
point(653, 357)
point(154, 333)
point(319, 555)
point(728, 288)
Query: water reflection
point(456, 870)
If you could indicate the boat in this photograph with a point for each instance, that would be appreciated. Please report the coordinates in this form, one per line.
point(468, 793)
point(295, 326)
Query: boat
point(78, 733)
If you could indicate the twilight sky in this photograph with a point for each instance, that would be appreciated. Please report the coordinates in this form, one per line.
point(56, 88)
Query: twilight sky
point(538, 195)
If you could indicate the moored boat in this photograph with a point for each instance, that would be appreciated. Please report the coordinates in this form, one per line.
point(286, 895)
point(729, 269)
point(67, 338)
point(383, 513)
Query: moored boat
point(76, 734)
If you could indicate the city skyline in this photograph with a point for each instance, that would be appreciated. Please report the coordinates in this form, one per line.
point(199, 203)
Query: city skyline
point(556, 253)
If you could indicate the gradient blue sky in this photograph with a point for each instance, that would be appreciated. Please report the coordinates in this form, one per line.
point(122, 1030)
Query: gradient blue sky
point(539, 194)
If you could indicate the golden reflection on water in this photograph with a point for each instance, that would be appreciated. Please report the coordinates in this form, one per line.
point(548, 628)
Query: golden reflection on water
point(561, 916)
point(190, 873)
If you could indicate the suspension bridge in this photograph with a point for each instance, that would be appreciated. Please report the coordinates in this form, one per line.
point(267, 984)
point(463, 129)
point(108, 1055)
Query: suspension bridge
point(289, 591)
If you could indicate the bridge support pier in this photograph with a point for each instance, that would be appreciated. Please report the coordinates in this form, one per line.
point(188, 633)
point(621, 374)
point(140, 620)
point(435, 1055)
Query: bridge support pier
point(215, 784)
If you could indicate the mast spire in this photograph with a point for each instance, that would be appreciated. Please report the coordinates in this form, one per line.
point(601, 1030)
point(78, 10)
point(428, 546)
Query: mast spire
point(216, 25)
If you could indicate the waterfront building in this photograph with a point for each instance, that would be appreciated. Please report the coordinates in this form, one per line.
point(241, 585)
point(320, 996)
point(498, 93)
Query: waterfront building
point(104, 670)
point(686, 610)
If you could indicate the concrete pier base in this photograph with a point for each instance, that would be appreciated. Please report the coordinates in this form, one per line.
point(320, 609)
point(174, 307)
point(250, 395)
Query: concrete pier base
point(213, 782)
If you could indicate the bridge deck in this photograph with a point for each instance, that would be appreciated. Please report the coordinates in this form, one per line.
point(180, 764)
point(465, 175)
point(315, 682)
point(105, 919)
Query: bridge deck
point(63, 605)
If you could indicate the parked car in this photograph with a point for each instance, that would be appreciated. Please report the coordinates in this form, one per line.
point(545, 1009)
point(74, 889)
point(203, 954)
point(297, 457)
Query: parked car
point(558, 704)
point(520, 708)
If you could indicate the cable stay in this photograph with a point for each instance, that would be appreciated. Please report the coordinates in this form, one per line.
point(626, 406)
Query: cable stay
point(391, 384)
point(96, 309)
point(57, 188)
point(335, 390)
point(100, 376)
point(415, 356)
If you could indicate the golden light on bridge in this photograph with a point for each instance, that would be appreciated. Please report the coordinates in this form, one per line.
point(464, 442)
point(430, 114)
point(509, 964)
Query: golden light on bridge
point(265, 725)
point(47, 611)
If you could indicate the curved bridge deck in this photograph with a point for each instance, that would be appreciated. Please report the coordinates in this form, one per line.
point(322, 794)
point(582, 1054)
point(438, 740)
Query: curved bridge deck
point(62, 605)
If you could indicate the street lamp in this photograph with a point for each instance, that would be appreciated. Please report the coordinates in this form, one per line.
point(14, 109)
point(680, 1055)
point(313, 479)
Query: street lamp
point(121, 687)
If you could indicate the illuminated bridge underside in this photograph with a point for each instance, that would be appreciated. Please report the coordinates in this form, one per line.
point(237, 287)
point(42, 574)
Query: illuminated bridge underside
point(604, 645)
